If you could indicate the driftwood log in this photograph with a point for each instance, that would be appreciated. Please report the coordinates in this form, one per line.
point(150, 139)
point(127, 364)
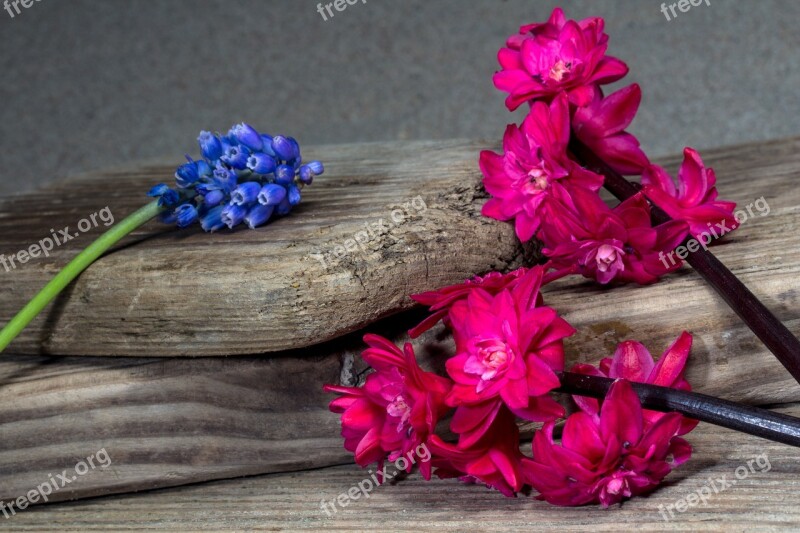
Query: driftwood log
point(172, 421)
point(384, 220)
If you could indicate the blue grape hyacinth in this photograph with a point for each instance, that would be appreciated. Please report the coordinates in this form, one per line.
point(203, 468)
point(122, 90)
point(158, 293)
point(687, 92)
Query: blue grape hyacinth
point(243, 177)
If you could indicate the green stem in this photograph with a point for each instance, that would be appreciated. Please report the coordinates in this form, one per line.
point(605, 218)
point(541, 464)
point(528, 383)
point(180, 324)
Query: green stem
point(80, 263)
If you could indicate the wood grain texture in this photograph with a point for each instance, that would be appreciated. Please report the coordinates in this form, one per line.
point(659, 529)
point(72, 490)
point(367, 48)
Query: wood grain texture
point(768, 499)
point(172, 421)
point(165, 292)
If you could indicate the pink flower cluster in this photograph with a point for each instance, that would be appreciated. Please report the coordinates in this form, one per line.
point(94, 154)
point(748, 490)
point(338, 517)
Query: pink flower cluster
point(509, 350)
point(558, 68)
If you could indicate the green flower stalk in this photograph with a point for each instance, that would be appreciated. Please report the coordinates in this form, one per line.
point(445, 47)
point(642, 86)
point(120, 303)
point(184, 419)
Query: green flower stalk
point(80, 263)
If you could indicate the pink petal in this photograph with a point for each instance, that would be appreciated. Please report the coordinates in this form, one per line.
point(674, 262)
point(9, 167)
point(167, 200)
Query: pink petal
point(692, 178)
point(659, 178)
point(671, 365)
point(621, 414)
point(631, 361)
point(610, 69)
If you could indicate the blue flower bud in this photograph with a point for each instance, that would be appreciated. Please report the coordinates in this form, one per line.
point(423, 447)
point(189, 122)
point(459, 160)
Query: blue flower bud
point(212, 219)
point(185, 215)
point(284, 207)
point(247, 135)
point(186, 175)
point(210, 145)
point(203, 168)
point(236, 157)
point(293, 195)
point(261, 163)
point(271, 194)
point(213, 198)
point(166, 197)
point(296, 149)
point(306, 174)
point(258, 215)
point(267, 141)
point(284, 174)
point(224, 178)
point(283, 148)
point(232, 215)
point(246, 193)
point(316, 167)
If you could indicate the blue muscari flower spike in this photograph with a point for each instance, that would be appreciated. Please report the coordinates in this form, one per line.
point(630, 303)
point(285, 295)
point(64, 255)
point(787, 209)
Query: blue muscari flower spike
point(243, 177)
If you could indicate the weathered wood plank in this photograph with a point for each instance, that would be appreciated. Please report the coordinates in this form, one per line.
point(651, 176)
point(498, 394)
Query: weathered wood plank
point(168, 293)
point(172, 421)
point(768, 499)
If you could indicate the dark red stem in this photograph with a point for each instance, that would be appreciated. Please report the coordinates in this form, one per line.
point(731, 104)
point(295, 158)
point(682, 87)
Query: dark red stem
point(745, 418)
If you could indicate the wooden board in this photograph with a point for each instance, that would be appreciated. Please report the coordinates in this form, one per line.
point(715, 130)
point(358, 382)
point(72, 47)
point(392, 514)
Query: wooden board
point(414, 206)
point(172, 421)
point(768, 499)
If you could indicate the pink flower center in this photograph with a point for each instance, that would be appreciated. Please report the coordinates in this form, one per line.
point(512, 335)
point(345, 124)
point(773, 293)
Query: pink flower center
point(489, 358)
point(607, 255)
point(560, 69)
point(618, 485)
point(398, 408)
point(552, 63)
point(538, 180)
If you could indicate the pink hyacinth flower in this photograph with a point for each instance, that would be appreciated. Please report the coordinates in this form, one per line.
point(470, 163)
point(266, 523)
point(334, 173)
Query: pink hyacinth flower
point(617, 244)
point(395, 411)
point(558, 56)
point(601, 127)
point(694, 200)
point(507, 349)
point(533, 175)
point(632, 361)
point(606, 457)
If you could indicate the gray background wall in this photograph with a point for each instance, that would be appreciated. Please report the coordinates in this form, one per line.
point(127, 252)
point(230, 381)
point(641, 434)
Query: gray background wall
point(86, 84)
